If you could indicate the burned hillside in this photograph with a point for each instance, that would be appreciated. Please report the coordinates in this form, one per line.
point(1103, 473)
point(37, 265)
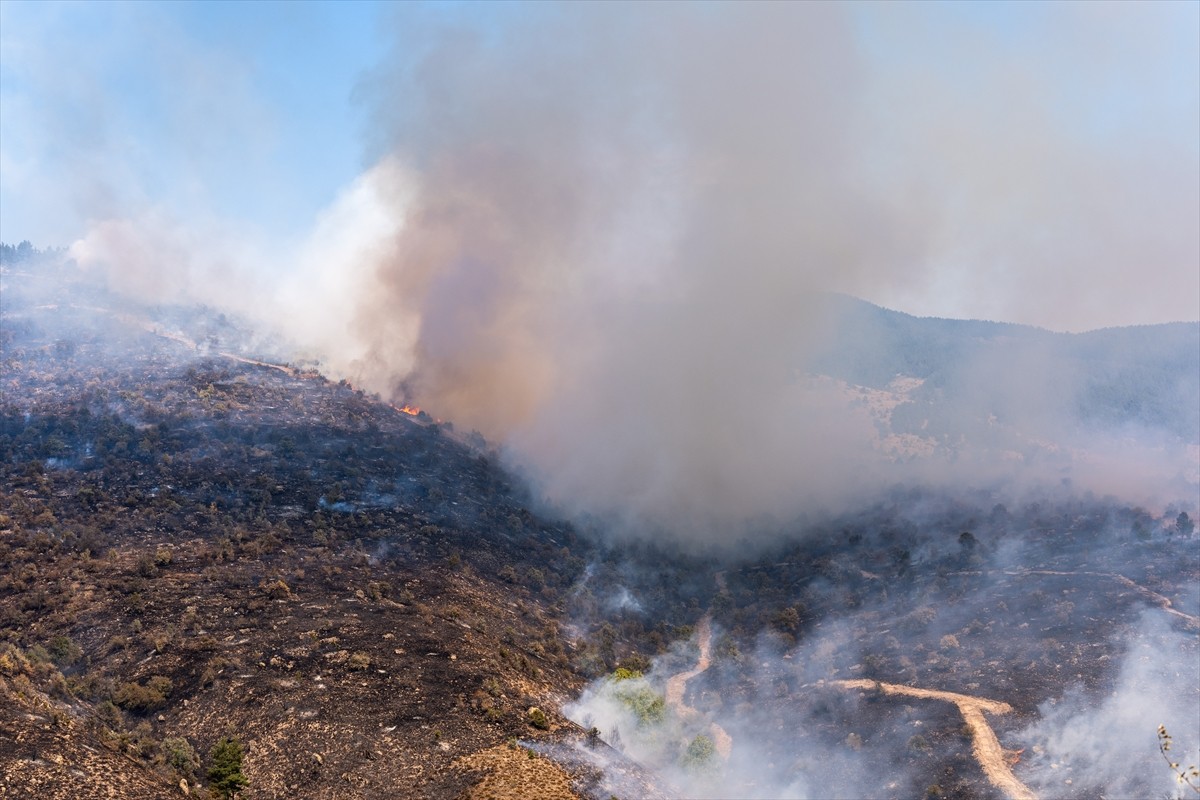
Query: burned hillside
point(204, 542)
point(197, 546)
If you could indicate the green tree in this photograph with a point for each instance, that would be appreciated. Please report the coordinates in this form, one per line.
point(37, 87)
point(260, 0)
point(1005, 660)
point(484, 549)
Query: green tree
point(225, 767)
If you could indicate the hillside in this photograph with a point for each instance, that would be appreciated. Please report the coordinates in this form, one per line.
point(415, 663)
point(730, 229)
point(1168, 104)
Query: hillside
point(197, 546)
point(201, 541)
point(1146, 376)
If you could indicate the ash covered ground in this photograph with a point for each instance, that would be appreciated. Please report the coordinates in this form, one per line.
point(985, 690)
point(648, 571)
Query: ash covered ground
point(201, 540)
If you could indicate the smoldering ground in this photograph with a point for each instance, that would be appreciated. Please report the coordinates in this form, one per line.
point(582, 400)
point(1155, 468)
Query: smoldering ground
point(939, 591)
point(1080, 619)
point(601, 235)
point(606, 238)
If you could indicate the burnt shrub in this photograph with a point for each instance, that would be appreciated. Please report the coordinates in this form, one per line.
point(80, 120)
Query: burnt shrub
point(179, 755)
point(143, 698)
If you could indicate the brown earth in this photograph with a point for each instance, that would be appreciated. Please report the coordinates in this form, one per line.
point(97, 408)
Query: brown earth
point(677, 683)
point(511, 772)
point(359, 599)
point(986, 747)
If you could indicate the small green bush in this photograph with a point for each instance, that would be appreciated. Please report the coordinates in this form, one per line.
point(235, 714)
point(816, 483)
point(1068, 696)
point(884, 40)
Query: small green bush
point(699, 752)
point(647, 705)
point(63, 651)
point(179, 754)
point(537, 718)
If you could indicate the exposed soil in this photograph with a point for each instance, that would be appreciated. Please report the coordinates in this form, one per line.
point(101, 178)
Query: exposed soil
point(985, 747)
point(677, 683)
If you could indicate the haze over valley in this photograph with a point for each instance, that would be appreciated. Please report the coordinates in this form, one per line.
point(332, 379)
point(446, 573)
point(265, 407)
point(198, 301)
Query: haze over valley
point(592, 400)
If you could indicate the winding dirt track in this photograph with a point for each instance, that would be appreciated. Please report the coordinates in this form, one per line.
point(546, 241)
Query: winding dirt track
point(985, 746)
point(677, 684)
point(1162, 602)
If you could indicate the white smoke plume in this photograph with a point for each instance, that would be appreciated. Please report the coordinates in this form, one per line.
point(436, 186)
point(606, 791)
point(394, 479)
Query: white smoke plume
point(598, 233)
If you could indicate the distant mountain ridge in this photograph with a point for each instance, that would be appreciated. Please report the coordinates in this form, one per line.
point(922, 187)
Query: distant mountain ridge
point(1144, 376)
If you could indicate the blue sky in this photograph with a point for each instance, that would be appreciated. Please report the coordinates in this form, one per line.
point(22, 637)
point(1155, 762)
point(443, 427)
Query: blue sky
point(244, 110)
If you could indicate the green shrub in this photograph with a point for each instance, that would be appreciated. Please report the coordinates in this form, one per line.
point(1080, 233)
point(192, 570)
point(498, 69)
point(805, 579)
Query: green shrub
point(63, 651)
point(699, 752)
point(179, 754)
point(647, 705)
point(537, 718)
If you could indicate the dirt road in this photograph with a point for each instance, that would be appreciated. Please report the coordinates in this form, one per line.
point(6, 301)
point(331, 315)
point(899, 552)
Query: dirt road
point(677, 684)
point(985, 746)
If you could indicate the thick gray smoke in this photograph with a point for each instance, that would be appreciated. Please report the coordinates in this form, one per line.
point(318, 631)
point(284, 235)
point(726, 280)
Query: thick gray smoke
point(623, 218)
point(600, 233)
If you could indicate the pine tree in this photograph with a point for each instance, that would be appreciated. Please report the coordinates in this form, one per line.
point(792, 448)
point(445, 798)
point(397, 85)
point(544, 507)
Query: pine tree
point(225, 767)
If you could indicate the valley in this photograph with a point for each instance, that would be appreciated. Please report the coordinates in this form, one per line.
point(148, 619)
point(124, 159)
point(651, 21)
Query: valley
point(203, 542)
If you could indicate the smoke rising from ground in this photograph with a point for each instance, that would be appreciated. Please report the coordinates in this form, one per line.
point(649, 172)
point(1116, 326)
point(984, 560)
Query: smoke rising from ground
point(600, 234)
point(623, 220)
point(1042, 618)
point(1157, 684)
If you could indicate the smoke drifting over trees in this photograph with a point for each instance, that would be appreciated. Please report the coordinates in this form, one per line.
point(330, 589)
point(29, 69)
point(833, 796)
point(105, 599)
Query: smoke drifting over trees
point(601, 235)
point(627, 243)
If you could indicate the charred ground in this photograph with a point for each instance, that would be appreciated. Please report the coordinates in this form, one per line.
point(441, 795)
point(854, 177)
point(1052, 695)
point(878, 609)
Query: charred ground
point(195, 546)
point(201, 541)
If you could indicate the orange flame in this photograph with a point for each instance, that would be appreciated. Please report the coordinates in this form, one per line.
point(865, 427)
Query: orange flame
point(412, 411)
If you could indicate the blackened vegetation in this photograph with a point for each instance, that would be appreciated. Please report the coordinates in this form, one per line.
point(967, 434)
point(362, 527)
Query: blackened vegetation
point(1021, 606)
point(1024, 605)
point(196, 548)
point(633, 602)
